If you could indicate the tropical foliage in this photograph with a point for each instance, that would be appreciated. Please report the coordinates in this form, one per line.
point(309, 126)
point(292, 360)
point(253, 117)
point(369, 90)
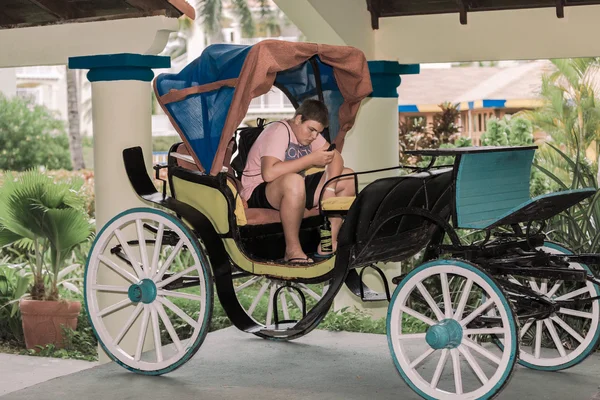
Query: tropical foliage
point(47, 221)
point(30, 136)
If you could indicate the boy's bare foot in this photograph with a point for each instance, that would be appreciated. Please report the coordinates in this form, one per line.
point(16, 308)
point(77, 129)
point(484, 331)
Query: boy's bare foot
point(297, 257)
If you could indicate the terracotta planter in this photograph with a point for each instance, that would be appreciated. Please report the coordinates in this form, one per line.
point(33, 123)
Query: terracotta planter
point(43, 321)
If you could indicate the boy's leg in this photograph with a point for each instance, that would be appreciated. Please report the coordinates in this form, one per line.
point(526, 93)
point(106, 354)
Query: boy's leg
point(344, 187)
point(287, 194)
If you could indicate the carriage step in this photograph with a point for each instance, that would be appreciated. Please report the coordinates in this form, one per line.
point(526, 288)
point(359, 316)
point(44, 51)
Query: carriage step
point(374, 296)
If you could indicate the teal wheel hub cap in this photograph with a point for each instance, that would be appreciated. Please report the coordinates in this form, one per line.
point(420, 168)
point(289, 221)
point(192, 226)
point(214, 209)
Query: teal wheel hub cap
point(144, 291)
point(447, 334)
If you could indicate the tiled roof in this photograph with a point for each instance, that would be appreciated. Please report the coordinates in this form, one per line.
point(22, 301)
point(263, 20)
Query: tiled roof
point(462, 84)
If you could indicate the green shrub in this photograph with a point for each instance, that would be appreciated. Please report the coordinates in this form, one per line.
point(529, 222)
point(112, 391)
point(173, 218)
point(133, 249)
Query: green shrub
point(30, 136)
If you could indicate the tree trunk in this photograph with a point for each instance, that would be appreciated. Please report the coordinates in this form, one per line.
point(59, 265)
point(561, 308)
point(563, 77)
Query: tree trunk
point(74, 131)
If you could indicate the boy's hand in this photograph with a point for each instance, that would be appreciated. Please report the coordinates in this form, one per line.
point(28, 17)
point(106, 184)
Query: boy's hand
point(322, 157)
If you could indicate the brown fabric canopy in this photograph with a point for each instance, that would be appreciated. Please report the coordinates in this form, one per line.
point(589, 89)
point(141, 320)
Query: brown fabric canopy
point(269, 57)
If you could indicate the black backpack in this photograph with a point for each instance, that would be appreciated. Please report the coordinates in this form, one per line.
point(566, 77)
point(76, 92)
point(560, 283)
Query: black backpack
point(243, 140)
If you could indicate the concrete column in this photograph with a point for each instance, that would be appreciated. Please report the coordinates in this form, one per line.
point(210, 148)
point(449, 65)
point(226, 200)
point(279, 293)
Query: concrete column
point(373, 144)
point(121, 116)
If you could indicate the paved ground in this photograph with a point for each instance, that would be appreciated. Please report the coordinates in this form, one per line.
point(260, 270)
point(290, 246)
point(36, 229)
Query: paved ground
point(323, 365)
point(19, 372)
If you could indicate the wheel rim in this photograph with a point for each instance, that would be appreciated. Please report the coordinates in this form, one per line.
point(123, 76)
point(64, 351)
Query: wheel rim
point(140, 318)
point(415, 314)
point(256, 295)
point(569, 335)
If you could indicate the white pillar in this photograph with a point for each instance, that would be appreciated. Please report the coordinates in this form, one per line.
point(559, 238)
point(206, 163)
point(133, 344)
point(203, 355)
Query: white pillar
point(122, 118)
point(373, 144)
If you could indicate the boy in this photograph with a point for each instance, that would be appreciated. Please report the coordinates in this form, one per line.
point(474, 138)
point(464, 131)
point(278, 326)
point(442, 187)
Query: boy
point(274, 174)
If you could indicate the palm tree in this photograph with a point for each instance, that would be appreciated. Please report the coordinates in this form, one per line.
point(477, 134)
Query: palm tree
point(571, 111)
point(74, 131)
point(212, 13)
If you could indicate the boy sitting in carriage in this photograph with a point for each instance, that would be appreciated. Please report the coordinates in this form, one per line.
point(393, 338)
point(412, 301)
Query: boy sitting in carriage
point(275, 174)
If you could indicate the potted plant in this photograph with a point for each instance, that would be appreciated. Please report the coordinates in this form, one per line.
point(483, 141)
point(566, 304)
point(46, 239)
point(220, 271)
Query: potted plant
point(46, 220)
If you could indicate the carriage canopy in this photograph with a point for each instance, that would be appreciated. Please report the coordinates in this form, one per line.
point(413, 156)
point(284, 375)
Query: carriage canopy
point(209, 98)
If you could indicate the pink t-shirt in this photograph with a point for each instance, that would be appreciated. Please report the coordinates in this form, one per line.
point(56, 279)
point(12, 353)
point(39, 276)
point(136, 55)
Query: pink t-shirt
point(274, 141)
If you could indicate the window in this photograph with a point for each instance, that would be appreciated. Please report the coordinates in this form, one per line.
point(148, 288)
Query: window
point(479, 122)
point(35, 94)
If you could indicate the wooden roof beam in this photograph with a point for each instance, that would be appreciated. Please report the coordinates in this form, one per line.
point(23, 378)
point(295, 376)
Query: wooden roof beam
point(59, 8)
point(151, 5)
point(374, 7)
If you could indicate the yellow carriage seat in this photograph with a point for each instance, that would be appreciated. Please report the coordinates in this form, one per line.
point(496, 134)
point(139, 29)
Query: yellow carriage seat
point(260, 216)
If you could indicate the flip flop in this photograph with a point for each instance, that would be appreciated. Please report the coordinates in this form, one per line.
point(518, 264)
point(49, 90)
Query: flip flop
point(317, 256)
point(295, 260)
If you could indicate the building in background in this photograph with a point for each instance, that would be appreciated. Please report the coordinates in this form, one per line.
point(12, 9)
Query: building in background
point(480, 92)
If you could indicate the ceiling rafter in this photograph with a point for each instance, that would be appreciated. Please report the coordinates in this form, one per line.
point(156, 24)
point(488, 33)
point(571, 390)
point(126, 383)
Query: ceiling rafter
point(395, 8)
point(59, 8)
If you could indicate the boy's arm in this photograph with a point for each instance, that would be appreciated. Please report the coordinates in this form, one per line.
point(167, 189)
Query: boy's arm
point(272, 168)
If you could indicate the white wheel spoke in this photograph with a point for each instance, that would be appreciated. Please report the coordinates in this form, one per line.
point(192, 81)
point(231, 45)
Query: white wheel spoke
point(525, 328)
point(178, 275)
point(422, 357)
point(168, 261)
point(567, 328)
point(554, 289)
point(534, 286)
point(114, 307)
point(411, 336)
point(167, 322)
point(436, 310)
point(156, 333)
point(178, 311)
point(481, 350)
point(249, 282)
point(284, 307)
point(514, 280)
point(575, 313)
point(446, 294)
point(555, 338)
point(310, 292)
point(128, 324)
point(439, 369)
point(457, 372)
point(574, 293)
point(110, 288)
point(417, 315)
point(473, 364)
point(157, 248)
point(296, 300)
point(544, 286)
point(134, 262)
point(538, 338)
point(270, 306)
point(142, 243)
point(259, 296)
point(125, 274)
point(463, 300)
point(142, 335)
point(478, 311)
point(181, 295)
point(485, 331)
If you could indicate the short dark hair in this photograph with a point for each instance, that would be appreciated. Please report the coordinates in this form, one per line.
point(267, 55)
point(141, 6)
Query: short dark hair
point(313, 110)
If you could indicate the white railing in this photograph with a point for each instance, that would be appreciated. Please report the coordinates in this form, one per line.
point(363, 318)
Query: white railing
point(251, 41)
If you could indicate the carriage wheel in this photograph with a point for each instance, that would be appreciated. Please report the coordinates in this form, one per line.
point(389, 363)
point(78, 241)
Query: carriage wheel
point(567, 337)
point(437, 317)
point(148, 291)
point(256, 295)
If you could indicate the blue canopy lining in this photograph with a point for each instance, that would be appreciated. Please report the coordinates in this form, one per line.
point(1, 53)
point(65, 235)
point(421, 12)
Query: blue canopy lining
point(201, 117)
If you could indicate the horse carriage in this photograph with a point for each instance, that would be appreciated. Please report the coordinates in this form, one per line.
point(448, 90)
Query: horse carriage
point(472, 308)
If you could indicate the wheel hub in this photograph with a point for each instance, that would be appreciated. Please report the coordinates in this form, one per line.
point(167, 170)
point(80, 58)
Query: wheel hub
point(144, 291)
point(447, 334)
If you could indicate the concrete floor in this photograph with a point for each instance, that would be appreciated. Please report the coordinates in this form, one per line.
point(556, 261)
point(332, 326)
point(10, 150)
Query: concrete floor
point(322, 365)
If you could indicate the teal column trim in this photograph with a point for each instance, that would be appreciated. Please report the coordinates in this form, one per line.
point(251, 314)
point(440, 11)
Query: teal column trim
point(385, 76)
point(120, 67)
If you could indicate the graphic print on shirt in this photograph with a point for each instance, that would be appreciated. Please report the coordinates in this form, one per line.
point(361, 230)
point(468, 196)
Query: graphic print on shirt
point(295, 151)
